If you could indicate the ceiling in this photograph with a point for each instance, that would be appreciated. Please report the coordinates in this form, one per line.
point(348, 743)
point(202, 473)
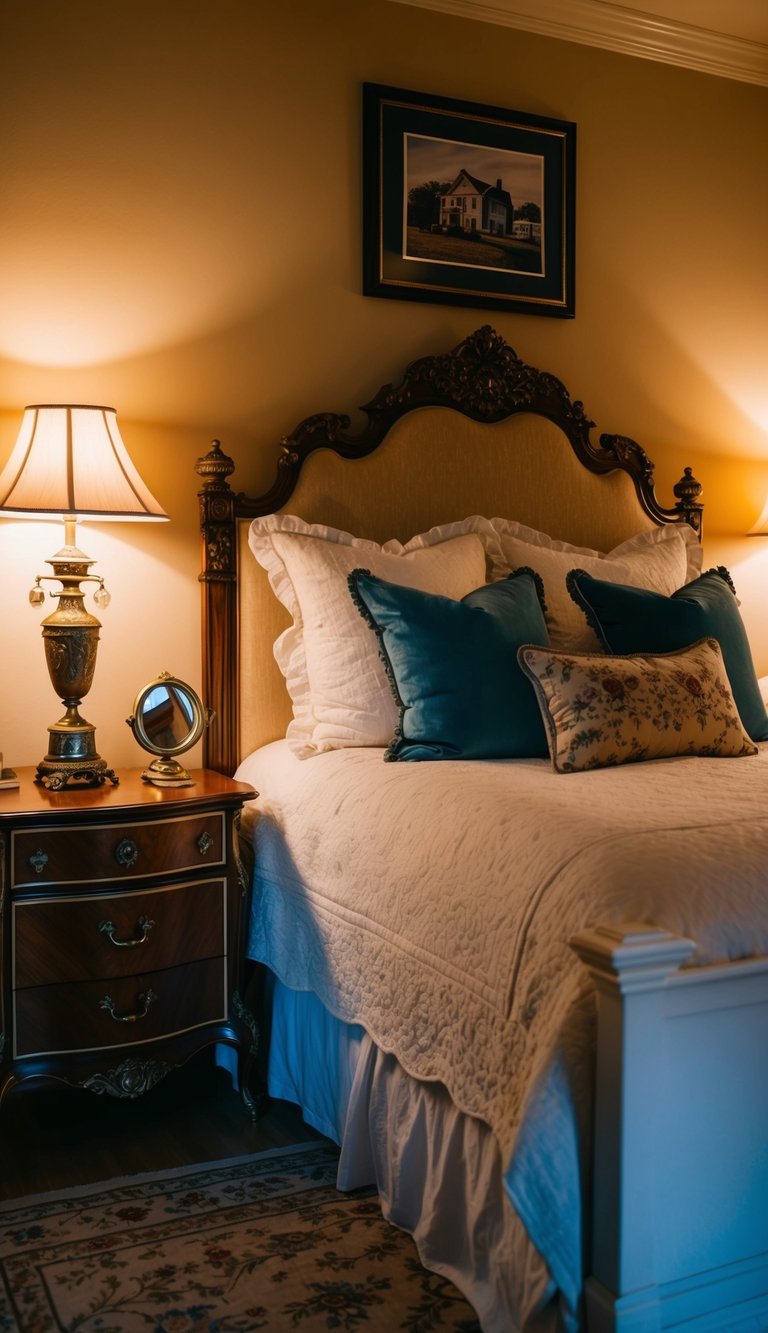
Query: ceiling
point(728, 38)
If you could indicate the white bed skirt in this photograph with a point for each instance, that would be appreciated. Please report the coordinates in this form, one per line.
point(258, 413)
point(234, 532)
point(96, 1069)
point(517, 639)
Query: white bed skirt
point(437, 1170)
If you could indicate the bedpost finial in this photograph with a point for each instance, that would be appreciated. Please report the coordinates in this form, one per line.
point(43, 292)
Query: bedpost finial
point(688, 492)
point(214, 467)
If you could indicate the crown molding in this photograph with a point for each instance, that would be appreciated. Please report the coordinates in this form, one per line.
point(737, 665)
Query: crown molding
point(616, 28)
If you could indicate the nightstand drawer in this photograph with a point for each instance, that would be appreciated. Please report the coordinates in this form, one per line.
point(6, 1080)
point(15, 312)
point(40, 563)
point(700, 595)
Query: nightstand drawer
point(115, 935)
point(111, 853)
point(124, 1011)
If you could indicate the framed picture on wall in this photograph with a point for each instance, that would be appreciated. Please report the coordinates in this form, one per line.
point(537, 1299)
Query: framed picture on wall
point(466, 204)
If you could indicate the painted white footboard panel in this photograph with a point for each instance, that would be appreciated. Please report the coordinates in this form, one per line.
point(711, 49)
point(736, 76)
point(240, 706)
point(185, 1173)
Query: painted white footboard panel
point(680, 1211)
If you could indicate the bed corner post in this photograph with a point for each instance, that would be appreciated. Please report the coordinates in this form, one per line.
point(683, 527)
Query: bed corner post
point(688, 503)
point(630, 966)
point(218, 580)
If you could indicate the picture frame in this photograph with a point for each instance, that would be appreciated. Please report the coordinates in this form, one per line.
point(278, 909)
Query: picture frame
point(467, 204)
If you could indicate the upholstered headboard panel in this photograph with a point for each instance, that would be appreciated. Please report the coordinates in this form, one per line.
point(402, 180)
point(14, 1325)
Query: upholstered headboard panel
point(433, 467)
point(511, 444)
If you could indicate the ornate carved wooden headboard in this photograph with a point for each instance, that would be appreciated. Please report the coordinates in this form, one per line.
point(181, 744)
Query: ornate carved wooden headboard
point(474, 430)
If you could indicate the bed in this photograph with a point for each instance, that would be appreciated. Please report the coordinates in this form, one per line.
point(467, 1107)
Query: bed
point(528, 996)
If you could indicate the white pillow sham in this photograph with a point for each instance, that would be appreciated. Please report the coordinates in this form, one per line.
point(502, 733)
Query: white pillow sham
point(329, 656)
point(661, 559)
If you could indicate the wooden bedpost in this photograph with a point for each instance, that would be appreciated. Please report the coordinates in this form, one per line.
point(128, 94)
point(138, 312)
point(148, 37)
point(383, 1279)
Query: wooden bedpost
point(218, 581)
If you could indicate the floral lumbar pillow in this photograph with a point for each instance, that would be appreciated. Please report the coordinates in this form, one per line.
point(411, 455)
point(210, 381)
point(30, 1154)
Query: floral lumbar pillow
point(600, 711)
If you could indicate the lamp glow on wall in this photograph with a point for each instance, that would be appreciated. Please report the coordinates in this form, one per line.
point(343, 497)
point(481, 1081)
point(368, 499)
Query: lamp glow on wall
point(70, 462)
point(760, 526)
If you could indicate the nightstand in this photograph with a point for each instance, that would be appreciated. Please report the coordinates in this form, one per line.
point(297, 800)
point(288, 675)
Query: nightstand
point(122, 919)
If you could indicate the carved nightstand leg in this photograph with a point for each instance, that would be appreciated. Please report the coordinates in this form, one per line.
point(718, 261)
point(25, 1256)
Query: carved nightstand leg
point(253, 1105)
point(254, 1100)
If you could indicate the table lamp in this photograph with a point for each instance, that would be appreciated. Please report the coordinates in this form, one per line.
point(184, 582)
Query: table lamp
point(70, 462)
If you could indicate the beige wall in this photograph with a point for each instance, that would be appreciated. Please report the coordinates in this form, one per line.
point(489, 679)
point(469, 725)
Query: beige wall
point(180, 236)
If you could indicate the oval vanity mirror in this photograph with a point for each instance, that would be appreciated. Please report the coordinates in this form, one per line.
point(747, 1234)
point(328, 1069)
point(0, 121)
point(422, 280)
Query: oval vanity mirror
point(168, 718)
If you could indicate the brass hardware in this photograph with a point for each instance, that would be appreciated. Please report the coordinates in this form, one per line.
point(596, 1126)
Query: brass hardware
point(39, 861)
point(144, 925)
point(204, 843)
point(126, 853)
point(145, 999)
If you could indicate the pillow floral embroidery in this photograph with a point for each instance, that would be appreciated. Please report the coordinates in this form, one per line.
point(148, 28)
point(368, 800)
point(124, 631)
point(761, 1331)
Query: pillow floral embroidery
point(600, 711)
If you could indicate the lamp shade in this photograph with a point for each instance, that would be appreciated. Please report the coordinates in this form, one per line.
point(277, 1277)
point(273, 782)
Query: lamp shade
point(71, 461)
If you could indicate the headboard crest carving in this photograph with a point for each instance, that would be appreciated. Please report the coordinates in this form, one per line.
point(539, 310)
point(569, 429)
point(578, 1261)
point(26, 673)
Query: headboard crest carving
point(484, 379)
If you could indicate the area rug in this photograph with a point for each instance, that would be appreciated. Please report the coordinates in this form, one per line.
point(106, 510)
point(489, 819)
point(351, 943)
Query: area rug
point(260, 1242)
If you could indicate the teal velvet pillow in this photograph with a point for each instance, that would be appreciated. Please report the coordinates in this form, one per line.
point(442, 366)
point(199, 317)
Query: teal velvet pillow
point(453, 666)
point(632, 620)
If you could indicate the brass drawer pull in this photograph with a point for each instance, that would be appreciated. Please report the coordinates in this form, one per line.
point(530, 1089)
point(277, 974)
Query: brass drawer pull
point(38, 860)
point(126, 853)
point(143, 924)
point(145, 999)
point(204, 843)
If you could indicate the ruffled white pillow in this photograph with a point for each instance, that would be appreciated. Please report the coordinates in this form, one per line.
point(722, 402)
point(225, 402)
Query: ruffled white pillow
point(661, 560)
point(329, 656)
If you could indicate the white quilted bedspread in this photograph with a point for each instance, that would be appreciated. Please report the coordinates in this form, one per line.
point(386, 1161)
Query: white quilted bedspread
point(433, 902)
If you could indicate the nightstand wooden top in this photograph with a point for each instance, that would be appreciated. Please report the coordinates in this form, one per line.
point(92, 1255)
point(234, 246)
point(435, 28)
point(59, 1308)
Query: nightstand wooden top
point(31, 798)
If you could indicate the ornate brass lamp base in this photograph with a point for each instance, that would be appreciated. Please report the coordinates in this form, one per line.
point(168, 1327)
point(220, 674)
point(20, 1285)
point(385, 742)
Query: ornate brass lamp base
point(70, 636)
point(72, 754)
point(56, 776)
point(87, 773)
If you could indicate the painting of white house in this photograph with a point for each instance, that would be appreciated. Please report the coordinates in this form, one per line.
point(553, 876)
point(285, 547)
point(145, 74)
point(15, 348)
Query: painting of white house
point(473, 206)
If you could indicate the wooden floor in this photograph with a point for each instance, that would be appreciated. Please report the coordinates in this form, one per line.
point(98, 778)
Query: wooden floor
point(53, 1137)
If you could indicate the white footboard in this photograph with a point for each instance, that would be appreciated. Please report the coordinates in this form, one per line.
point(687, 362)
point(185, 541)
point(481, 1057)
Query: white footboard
point(680, 1200)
